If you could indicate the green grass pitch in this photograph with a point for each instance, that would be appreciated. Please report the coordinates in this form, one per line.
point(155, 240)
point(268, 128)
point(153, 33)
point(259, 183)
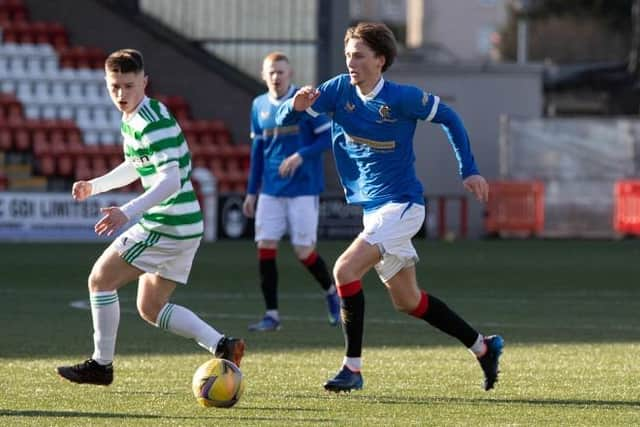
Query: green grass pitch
point(569, 312)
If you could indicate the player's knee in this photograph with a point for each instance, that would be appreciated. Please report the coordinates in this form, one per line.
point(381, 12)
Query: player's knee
point(303, 252)
point(404, 306)
point(97, 281)
point(342, 273)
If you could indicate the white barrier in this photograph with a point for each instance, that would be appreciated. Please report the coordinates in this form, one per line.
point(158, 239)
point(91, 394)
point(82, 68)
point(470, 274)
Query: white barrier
point(53, 216)
point(57, 217)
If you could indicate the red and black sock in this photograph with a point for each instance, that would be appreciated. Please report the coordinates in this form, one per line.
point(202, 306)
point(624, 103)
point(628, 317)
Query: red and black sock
point(317, 267)
point(352, 304)
point(440, 316)
point(268, 277)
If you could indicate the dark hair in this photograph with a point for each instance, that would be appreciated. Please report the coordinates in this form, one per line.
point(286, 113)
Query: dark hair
point(378, 37)
point(125, 61)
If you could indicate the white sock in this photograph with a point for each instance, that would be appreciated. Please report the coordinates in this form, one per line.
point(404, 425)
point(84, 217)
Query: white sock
point(186, 323)
point(274, 314)
point(353, 363)
point(105, 313)
point(479, 348)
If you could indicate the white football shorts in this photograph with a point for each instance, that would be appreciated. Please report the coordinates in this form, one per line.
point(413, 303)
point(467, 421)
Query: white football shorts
point(297, 216)
point(157, 254)
point(391, 228)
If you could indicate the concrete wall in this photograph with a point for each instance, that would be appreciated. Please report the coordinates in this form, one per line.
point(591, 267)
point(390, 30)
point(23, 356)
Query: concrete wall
point(464, 27)
point(172, 67)
point(480, 95)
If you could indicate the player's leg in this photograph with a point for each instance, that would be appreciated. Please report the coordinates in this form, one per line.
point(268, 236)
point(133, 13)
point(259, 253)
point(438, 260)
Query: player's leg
point(303, 225)
point(270, 226)
point(408, 298)
point(109, 273)
point(397, 271)
point(168, 262)
point(154, 293)
point(348, 271)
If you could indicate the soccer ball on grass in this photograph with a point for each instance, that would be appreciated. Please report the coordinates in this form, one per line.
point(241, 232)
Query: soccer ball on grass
point(219, 383)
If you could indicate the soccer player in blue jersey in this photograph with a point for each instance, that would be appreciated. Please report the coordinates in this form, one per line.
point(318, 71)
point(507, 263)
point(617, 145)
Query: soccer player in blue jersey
point(286, 170)
point(373, 126)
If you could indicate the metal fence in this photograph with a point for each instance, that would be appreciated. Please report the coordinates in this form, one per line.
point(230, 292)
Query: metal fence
point(579, 160)
point(242, 32)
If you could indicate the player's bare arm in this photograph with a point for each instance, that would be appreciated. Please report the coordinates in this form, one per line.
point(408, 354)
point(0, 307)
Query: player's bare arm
point(477, 185)
point(305, 97)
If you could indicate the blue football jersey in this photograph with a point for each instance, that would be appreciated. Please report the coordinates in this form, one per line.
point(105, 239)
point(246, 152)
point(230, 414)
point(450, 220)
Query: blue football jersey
point(373, 137)
point(271, 144)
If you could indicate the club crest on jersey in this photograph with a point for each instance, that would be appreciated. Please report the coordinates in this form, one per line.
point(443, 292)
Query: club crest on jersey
point(264, 114)
point(385, 114)
point(349, 107)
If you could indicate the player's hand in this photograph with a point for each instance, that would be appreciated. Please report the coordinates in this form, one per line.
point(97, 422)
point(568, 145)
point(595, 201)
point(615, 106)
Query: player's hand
point(81, 190)
point(249, 205)
point(290, 164)
point(305, 97)
point(477, 185)
point(112, 220)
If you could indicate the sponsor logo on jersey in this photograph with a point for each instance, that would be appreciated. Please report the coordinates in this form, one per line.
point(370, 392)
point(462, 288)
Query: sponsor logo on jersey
point(264, 114)
point(349, 107)
point(140, 161)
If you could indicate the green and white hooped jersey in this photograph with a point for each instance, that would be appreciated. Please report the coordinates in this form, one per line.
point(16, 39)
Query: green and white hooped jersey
point(152, 140)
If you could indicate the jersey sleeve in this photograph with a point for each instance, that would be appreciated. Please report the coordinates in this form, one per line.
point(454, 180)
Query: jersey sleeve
point(458, 138)
point(420, 105)
point(320, 139)
point(326, 103)
point(256, 163)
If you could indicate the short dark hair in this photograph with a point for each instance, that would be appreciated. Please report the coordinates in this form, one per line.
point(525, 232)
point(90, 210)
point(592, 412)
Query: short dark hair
point(378, 37)
point(125, 61)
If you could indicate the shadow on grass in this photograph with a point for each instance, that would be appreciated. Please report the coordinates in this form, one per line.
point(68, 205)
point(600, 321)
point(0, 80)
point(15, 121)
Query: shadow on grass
point(128, 416)
point(503, 401)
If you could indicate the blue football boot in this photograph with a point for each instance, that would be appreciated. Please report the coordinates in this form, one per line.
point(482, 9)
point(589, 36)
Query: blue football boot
point(491, 359)
point(267, 323)
point(345, 380)
point(333, 307)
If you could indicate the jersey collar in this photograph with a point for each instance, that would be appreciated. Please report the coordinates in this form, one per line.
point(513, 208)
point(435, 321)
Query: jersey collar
point(133, 114)
point(286, 96)
point(371, 95)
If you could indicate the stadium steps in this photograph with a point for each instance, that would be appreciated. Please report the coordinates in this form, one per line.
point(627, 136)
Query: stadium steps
point(60, 90)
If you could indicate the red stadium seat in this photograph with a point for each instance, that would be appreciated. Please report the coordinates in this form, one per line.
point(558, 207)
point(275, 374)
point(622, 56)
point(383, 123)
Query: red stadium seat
point(47, 165)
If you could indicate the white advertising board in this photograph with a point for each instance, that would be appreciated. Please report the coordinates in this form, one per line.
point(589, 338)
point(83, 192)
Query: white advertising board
point(54, 216)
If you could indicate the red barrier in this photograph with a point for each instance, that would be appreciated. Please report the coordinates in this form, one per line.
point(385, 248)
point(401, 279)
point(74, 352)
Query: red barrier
point(443, 231)
point(626, 215)
point(515, 207)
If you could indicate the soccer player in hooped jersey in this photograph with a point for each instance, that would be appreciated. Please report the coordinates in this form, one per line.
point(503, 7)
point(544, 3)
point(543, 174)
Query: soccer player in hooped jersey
point(374, 122)
point(286, 169)
point(159, 249)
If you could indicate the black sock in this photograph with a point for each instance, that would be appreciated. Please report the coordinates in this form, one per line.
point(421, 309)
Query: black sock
point(352, 304)
point(440, 316)
point(268, 277)
point(317, 267)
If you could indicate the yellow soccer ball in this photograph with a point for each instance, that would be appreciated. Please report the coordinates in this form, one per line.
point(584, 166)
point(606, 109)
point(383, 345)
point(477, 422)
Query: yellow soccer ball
point(218, 383)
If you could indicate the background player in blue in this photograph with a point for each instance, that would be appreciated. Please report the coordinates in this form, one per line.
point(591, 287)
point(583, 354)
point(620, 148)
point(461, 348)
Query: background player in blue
point(286, 168)
point(373, 126)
